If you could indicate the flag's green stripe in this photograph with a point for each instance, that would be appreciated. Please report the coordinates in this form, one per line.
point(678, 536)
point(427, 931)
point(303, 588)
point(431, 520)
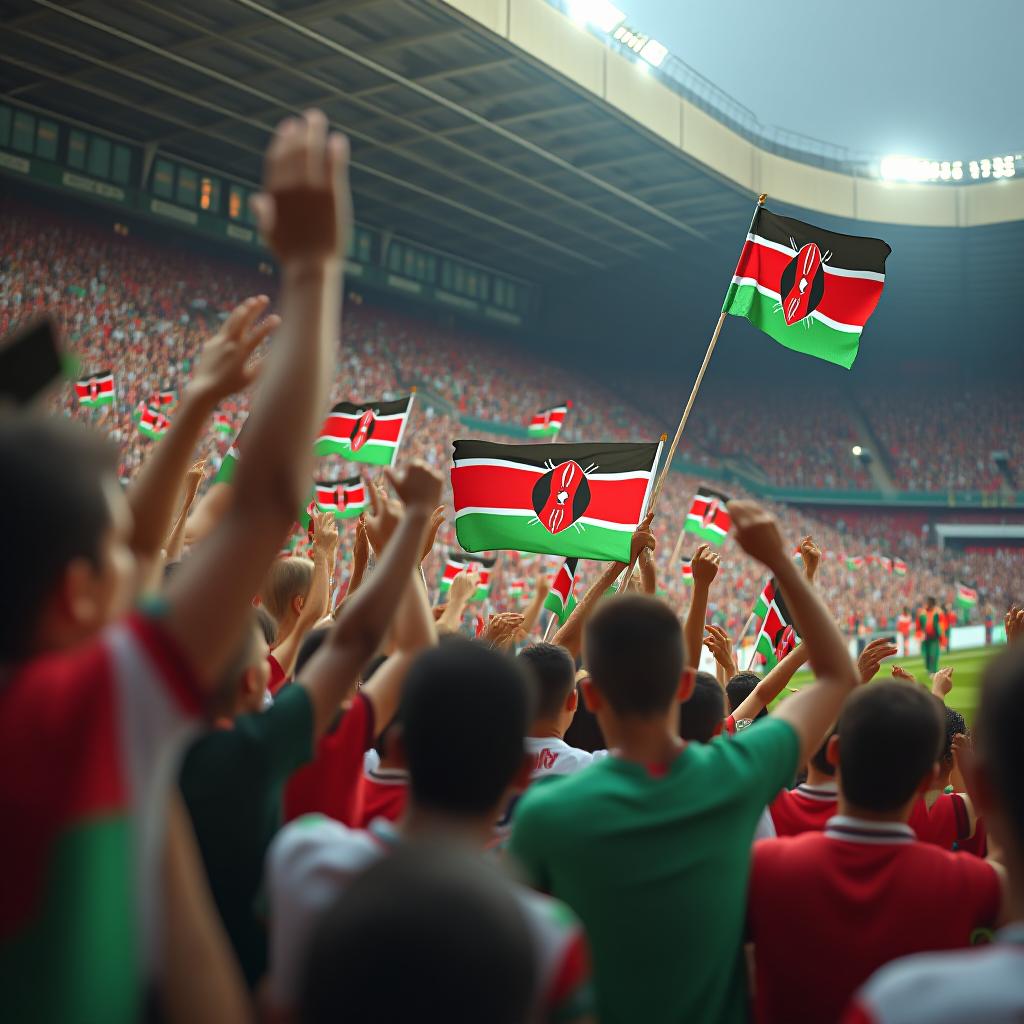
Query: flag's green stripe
point(90, 403)
point(374, 454)
point(481, 531)
point(553, 604)
point(809, 336)
point(542, 431)
point(226, 471)
point(764, 645)
point(704, 532)
point(149, 432)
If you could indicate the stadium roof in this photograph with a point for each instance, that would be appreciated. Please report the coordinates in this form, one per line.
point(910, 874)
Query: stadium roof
point(498, 132)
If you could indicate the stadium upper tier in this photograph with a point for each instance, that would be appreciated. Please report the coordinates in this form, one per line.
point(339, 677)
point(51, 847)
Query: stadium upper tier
point(142, 310)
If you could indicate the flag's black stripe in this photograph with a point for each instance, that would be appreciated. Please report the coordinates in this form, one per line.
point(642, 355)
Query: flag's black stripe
point(327, 483)
point(351, 481)
point(606, 458)
point(781, 604)
point(849, 252)
point(708, 492)
point(464, 559)
point(380, 408)
point(96, 376)
point(570, 565)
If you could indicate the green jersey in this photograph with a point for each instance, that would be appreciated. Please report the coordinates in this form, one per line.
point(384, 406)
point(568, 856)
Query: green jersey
point(656, 863)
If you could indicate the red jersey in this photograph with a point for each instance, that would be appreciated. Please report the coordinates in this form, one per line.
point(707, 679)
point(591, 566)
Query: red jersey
point(277, 676)
point(331, 783)
point(946, 823)
point(804, 809)
point(385, 792)
point(827, 909)
point(903, 624)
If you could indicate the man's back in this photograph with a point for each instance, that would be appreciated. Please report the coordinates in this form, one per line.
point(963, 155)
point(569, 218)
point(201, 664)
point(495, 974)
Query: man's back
point(827, 909)
point(655, 864)
point(803, 809)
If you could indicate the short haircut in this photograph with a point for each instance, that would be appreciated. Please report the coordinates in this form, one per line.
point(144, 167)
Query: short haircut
point(465, 710)
point(444, 923)
point(999, 726)
point(286, 579)
point(268, 624)
point(890, 736)
point(554, 673)
point(584, 732)
point(311, 643)
point(54, 510)
point(635, 654)
point(701, 717)
point(819, 759)
point(955, 725)
point(739, 688)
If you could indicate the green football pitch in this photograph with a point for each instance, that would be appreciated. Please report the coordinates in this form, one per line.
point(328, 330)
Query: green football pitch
point(967, 668)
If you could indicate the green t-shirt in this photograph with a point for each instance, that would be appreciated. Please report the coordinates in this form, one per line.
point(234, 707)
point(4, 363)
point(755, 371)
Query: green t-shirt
point(657, 868)
point(232, 781)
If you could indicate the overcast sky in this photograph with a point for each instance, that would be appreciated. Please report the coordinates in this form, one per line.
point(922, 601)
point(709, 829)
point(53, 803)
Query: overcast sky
point(937, 79)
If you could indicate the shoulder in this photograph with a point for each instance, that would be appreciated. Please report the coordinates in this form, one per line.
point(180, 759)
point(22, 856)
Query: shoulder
point(553, 793)
point(786, 853)
point(317, 846)
point(770, 745)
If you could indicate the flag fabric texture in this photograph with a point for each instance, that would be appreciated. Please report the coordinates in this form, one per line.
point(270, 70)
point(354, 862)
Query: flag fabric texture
point(776, 636)
point(854, 563)
point(899, 567)
point(228, 465)
point(346, 498)
point(457, 562)
point(966, 595)
point(687, 572)
point(165, 398)
point(517, 590)
point(365, 432)
point(95, 390)
point(576, 500)
point(561, 600)
point(153, 423)
point(222, 424)
point(708, 517)
point(810, 289)
point(548, 422)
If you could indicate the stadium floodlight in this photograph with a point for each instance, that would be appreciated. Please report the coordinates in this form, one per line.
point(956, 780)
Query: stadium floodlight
point(856, 449)
point(600, 13)
point(654, 53)
point(909, 168)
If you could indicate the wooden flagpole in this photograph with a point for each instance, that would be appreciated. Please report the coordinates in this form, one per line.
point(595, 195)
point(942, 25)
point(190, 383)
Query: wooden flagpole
point(552, 618)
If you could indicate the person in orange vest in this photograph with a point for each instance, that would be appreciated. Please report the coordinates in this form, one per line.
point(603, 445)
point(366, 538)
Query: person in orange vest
point(929, 622)
point(947, 619)
point(903, 624)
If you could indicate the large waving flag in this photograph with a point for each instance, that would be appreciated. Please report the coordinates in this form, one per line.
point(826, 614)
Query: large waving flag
point(810, 289)
point(560, 599)
point(365, 432)
point(576, 500)
point(548, 422)
point(346, 498)
point(95, 390)
point(482, 566)
point(776, 636)
point(708, 516)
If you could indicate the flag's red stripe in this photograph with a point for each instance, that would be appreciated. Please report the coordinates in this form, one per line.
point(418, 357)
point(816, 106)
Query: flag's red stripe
point(342, 426)
point(849, 300)
point(616, 501)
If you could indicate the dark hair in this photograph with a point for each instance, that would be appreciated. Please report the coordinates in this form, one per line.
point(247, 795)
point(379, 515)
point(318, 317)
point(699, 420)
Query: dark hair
point(701, 716)
point(890, 736)
point(54, 510)
point(554, 674)
point(739, 688)
point(585, 731)
point(311, 643)
point(268, 625)
point(445, 920)
point(954, 723)
point(998, 731)
point(819, 759)
point(635, 654)
point(464, 712)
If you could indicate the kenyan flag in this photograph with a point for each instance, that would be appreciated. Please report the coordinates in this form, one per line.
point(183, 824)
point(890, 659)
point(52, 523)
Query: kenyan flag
point(561, 599)
point(548, 422)
point(966, 595)
point(226, 472)
point(854, 563)
point(222, 424)
point(687, 572)
point(708, 517)
point(517, 590)
point(163, 398)
point(367, 432)
point(576, 500)
point(899, 567)
point(95, 390)
point(457, 562)
point(346, 499)
point(153, 424)
point(811, 290)
point(776, 637)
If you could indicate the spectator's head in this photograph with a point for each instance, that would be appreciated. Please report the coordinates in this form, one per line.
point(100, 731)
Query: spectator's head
point(929, 603)
point(739, 688)
point(464, 713)
point(955, 725)
point(585, 732)
point(554, 675)
point(268, 625)
point(820, 762)
point(450, 921)
point(244, 683)
point(285, 590)
point(887, 748)
point(636, 657)
point(702, 714)
point(997, 775)
point(67, 525)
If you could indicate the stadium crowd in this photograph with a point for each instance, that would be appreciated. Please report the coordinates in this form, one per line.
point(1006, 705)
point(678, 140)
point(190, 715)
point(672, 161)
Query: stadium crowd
point(238, 792)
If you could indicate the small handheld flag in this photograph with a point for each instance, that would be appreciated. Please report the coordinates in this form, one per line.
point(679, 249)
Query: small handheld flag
point(457, 562)
point(369, 432)
point(346, 499)
point(95, 390)
point(153, 424)
point(687, 572)
point(561, 600)
point(222, 424)
point(708, 517)
point(966, 595)
point(776, 636)
point(899, 567)
point(548, 422)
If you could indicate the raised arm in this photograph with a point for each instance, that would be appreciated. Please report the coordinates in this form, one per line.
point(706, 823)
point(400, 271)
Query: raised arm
point(648, 572)
point(812, 711)
point(810, 555)
point(772, 685)
point(541, 589)
point(705, 564)
point(363, 621)
point(719, 644)
point(176, 538)
point(459, 593)
point(305, 215)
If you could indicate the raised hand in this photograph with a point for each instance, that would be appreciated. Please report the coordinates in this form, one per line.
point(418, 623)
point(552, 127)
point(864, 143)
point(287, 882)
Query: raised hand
point(757, 532)
point(463, 587)
point(810, 555)
point(642, 538)
point(305, 209)
point(418, 486)
point(325, 533)
point(436, 519)
point(720, 645)
point(384, 515)
point(224, 366)
point(898, 672)
point(501, 629)
point(942, 682)
point(361, 545)
point(872, 656)
point(705, 565)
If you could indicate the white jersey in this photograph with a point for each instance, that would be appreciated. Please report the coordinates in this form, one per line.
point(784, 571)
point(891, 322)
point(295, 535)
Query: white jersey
point(982, 984)
point(553, 756)
point(312, 861)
